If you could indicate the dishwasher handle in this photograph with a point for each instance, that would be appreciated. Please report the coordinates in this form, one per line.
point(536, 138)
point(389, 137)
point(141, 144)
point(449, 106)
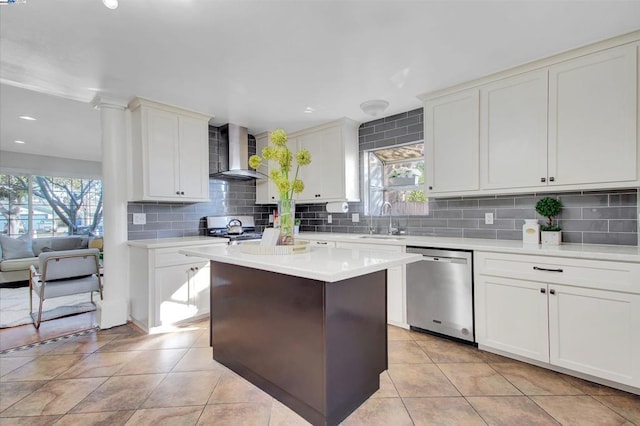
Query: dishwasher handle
point(443, 259)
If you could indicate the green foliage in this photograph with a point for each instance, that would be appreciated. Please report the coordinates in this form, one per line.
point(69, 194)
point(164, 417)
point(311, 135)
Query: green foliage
point(549, 208)
point(417, 196)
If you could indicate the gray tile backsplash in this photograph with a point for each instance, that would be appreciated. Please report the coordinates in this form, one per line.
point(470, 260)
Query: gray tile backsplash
point(591, 217)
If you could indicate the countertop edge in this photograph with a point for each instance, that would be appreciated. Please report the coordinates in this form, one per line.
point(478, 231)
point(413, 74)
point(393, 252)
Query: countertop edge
point(568, 250)
point(281, 264)
point(177, 242)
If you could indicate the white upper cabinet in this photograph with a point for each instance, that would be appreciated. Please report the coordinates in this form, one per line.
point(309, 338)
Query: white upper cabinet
point(451, 142)
point(333, 174)
point(513, 131)
point(569, 122)
point(593, 118)
point(266, 191)
point(170, 153)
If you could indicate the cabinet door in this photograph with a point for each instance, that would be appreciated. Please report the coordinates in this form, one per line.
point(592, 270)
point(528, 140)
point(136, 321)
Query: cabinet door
point(451, 137)
point(161, 154)
point(513, 132)
point(200, 284)
point(266, 192)
point(324, 177)
point(194, 158)
point(595, 332)
point(173, 295)
point(396, 286)
point(593, 117)
point(511, 315)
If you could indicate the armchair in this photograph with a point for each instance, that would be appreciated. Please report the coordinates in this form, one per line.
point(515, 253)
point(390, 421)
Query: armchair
point(62, 273)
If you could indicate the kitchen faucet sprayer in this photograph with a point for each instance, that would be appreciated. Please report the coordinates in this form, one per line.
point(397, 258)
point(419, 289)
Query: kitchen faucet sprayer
point(391, 230)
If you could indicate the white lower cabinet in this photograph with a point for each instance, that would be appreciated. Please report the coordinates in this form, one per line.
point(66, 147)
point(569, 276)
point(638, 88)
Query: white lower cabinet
point(167, 287)
point(562, 312)
point(182, 292)
point(396, 287)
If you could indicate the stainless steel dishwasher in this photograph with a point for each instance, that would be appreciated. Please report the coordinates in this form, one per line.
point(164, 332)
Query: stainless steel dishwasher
point(440, 292)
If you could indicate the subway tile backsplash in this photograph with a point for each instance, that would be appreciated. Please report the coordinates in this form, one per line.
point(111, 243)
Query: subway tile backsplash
point(590, 217)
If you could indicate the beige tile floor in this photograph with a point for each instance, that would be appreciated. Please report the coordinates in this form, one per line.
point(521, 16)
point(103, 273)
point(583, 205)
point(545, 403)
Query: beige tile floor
point(120, 376)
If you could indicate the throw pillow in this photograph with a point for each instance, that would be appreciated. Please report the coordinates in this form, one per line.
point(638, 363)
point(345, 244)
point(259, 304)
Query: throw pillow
point(16, 248)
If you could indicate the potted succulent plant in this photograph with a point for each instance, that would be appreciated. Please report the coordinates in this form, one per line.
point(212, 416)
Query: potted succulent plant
point(549, 208)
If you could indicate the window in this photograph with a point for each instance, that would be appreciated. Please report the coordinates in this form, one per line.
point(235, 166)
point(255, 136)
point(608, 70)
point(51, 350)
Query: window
point(396, 175)
point(48, 206)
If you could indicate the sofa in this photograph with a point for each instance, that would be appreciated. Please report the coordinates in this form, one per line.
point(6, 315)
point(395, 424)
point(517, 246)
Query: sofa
point(18, 254)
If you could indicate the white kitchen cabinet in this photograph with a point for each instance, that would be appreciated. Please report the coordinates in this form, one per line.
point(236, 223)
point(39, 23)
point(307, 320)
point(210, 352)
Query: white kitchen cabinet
point(333, 174)
point(396, 287)
point(451, 142)
point(569, 122)
point(169, 153)
point(593, 118)
point(513, 131)
point(579, 315)
point(266, 191)
point(168, 287)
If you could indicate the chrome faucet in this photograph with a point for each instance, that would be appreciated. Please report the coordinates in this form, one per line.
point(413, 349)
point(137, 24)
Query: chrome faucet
point(391, 230)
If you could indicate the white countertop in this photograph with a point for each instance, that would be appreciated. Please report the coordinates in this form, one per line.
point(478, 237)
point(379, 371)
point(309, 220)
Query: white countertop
point(581, 251)
point(320, 263)
point(177, 242)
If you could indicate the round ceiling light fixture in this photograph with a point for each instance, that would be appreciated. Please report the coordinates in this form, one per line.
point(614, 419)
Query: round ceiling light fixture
point(111, 4)
point(374, 107)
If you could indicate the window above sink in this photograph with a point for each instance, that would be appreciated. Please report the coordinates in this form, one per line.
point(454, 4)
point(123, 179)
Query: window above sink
point(395, 174)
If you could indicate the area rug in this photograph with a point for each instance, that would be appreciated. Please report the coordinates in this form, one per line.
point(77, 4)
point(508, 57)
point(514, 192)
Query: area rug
point(14, 306)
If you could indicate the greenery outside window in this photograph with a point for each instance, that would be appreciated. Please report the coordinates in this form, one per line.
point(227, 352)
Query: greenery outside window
point(396, 175)
point(49, 206)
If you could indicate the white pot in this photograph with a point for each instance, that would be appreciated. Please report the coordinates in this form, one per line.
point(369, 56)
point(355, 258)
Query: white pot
point(551, 237)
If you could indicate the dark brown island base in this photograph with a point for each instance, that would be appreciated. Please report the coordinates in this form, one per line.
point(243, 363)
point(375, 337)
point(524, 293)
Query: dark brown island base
point(318, 347)
point(310, 329)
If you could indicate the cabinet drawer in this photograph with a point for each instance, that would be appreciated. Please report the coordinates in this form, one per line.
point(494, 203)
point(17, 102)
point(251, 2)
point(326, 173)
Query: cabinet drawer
point(598, 274)
point(170, 256)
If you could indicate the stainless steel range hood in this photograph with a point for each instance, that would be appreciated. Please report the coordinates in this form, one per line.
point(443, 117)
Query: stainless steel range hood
point(230, 159)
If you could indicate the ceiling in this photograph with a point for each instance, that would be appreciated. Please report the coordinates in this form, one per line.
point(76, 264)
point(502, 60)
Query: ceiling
point(263, 63)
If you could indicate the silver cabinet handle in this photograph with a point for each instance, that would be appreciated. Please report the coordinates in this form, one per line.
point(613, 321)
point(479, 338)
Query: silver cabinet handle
point(537, 268)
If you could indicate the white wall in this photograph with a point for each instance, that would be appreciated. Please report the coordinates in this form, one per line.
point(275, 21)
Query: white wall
point(18, 163)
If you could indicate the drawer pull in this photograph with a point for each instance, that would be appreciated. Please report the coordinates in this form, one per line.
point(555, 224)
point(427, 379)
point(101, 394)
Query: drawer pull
point(322, 242)
point(543, 290)
point(552, 291)
point(537, 268)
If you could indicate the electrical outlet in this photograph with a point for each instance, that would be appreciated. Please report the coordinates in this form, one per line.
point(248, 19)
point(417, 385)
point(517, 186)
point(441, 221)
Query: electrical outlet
point(139, 219)
point(355, 217)
point(329, 218)
point(270, 218)
point(488, 218)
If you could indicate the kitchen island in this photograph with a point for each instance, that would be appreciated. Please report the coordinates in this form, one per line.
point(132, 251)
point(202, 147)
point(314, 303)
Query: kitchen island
point(309, 329)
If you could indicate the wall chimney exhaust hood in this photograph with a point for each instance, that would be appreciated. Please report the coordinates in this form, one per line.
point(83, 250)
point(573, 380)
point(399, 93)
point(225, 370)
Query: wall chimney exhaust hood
point(230, 159)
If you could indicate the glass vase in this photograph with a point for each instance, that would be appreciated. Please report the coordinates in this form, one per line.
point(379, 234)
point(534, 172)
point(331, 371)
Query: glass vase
point(286, 217)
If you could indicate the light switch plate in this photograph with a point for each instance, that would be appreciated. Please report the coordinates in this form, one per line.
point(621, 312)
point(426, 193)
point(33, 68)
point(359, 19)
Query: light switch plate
point(355, 217)
point(488, 218)
point(139, 219)
point(329, 218)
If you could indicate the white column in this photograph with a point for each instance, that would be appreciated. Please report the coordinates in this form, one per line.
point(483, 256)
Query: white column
point(113, 310)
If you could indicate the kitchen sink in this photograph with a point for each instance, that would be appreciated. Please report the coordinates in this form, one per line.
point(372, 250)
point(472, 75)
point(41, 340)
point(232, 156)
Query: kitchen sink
point(382, 237)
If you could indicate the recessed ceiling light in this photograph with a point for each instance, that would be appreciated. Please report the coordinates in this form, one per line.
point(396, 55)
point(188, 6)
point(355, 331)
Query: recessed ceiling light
point(111, 4)
point(26, 117)
point(19, 142)
point(309, 110)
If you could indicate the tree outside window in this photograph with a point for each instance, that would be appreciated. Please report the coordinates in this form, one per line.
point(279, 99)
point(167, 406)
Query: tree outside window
point(44, 205)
